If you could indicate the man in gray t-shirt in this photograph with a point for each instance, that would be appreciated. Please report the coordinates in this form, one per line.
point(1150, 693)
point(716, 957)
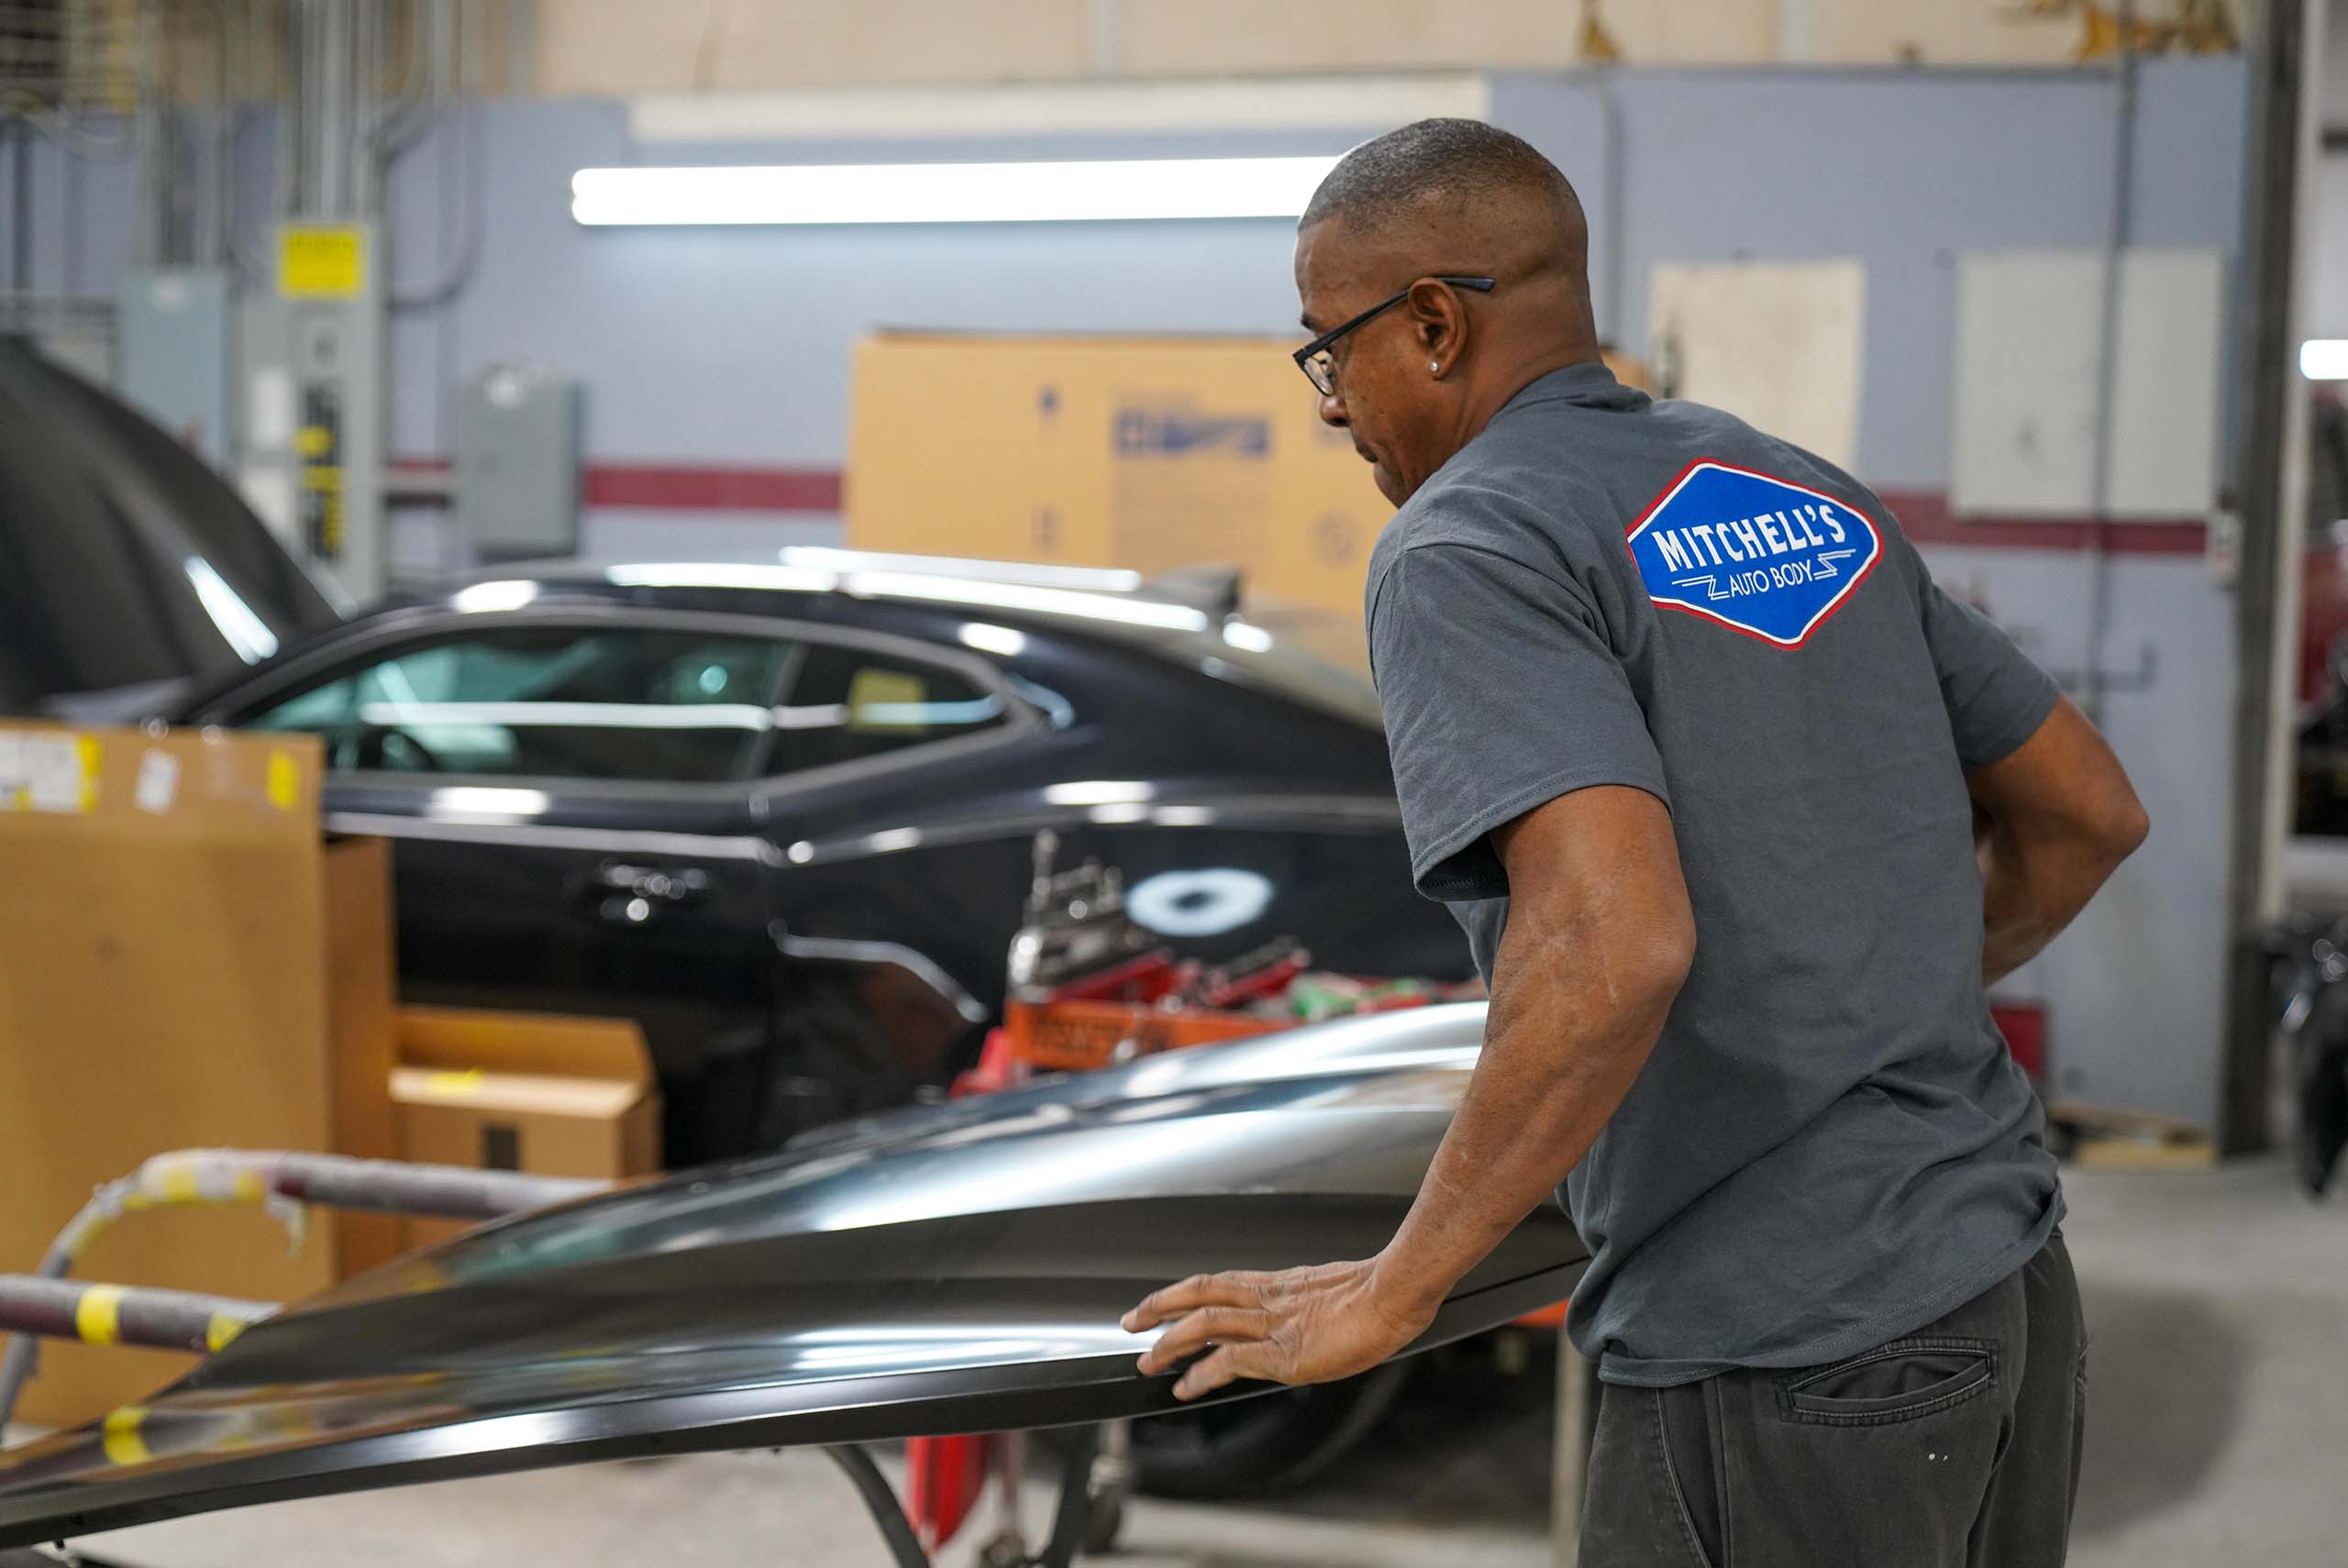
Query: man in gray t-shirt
point(1740, 812)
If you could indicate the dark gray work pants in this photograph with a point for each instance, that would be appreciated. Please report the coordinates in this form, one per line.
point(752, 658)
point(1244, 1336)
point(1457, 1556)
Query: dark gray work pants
point(1957, 1446)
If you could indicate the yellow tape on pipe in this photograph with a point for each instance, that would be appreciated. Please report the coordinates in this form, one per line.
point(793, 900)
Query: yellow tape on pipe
point(97, 1317)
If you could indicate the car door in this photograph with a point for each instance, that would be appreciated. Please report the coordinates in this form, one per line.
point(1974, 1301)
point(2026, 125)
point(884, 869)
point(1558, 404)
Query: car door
point(567, 792)
point(892, 959)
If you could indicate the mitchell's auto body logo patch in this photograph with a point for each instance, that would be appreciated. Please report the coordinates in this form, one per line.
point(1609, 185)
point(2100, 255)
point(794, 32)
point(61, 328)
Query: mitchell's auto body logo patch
point(1758, 555)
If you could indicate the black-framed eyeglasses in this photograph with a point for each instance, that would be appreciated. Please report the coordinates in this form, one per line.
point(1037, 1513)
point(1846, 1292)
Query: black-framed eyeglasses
point(1320, 366)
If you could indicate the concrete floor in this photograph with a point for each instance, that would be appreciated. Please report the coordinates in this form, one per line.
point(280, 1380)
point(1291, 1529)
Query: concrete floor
point(2218, 1303)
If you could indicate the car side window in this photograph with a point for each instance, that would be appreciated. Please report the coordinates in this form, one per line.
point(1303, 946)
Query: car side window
point(624, 703)
point(849, 703)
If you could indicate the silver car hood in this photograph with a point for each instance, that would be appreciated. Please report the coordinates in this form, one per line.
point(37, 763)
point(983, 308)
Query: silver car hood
point(946, 1269)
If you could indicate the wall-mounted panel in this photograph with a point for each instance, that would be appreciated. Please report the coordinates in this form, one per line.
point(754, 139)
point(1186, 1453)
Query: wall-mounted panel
point(2029, 352)
point(1776, 343)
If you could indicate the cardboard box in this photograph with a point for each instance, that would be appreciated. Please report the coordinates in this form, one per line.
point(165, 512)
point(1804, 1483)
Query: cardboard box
point(519, 1091)
point(1145, 453)
point(187, 963)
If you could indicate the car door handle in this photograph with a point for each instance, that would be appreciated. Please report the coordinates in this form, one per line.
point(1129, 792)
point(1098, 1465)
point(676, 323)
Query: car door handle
point(630, 893)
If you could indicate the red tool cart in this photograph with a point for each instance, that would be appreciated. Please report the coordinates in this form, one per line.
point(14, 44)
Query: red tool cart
point(1090, 989)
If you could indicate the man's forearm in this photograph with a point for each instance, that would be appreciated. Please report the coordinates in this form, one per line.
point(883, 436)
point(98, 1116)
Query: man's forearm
point(2031, 889)
point(2051, 820)
point(1566, 1039)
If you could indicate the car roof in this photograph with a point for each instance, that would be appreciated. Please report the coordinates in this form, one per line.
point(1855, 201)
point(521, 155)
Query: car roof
point(1193, 594)
point(1186, 615)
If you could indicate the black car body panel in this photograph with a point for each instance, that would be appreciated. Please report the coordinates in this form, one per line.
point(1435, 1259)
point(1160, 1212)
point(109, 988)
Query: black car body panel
point(807, 942)
point(124, 560)
point(942, 1269)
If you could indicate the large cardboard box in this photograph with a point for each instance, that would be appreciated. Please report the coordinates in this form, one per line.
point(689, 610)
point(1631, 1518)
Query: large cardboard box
point(517, 1091)
point(184, 962)
point(1146, 452)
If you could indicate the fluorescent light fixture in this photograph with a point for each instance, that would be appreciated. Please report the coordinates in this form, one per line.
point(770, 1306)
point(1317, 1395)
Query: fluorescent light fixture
point(2324, 358)
point(951, 192)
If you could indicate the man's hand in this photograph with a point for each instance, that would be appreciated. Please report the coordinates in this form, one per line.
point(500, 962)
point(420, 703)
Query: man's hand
point(1299, 1325)
point(1598, 939)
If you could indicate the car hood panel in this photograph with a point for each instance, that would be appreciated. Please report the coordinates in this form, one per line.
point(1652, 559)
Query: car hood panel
point(946, 1269)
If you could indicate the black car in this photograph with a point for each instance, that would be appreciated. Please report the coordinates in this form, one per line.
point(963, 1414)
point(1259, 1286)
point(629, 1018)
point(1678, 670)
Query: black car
point(786, 815)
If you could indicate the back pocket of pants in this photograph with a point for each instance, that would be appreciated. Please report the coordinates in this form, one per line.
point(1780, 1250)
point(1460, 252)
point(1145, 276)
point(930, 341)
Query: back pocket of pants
point(1896, 1382)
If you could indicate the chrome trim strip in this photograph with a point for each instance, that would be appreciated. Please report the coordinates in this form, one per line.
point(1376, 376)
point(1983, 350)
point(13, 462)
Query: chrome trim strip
point(1323, 814)
point(540, 835)
point(853, 951)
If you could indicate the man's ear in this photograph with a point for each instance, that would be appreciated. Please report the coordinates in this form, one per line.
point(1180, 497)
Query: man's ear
point(1440, 322)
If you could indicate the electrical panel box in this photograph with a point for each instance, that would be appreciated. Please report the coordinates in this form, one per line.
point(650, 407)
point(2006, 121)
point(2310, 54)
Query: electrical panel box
point(517, 464)
point(173, 359)
point(312, 424)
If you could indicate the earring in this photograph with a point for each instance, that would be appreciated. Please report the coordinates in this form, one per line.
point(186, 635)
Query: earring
point(1434, 367)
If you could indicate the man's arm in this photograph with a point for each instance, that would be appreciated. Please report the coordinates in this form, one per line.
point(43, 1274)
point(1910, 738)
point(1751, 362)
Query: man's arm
point(2053, 820)
point(1598, 939)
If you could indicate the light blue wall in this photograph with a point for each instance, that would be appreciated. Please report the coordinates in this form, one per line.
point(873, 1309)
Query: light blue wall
point(732, 346)
point(1903, 169)
point(733, 343)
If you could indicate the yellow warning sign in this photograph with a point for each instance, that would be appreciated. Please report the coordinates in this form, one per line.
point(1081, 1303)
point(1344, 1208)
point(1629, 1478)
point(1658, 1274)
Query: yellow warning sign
point(320, 260)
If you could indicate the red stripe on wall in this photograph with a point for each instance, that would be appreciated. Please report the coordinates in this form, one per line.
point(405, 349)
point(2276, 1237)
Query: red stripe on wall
point(678, 487)
point(1924, 515)
point(699, 488)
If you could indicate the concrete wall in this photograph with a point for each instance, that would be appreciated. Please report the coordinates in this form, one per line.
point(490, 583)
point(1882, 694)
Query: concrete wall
point(730, 348)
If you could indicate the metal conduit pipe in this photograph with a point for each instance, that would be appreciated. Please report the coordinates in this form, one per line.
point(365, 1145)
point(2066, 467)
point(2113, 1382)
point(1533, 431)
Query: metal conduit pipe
point(428, 84)
point(123, 1315)
point(467, 46)
point(289, 139)
point(148, 244)
point(283, 1182)
point(2119, 225)
point(214, 216)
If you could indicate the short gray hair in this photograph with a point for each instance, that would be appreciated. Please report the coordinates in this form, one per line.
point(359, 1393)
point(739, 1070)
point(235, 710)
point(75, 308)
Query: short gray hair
point(1397, 176)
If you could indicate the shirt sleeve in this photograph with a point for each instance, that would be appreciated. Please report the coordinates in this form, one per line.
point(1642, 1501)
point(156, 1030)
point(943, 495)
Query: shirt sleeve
point(1500, 693)
point(1995, 696)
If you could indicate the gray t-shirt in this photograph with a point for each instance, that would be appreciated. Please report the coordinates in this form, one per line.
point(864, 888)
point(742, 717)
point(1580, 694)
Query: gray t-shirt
point(1830, 1145)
